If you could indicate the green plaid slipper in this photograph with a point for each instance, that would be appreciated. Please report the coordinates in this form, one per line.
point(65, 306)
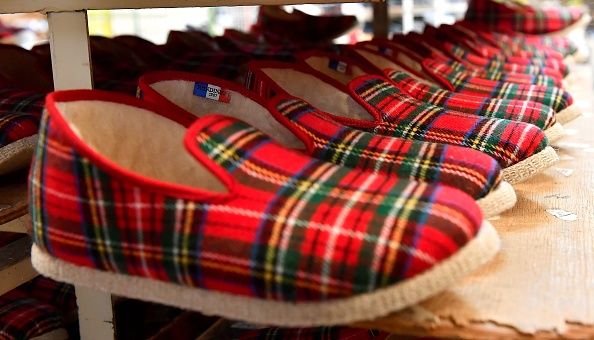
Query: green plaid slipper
point(520, 148)
point(517, 110)
point(221, 219)
point(297, 124)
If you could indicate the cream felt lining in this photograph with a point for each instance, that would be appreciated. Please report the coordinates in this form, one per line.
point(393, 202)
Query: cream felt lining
point(180, 93)
point(321, 64)
point(318, 93)
point(385, 63)
point(138, 140)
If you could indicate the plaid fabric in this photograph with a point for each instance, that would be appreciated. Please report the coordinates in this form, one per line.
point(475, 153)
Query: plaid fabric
point(402, 116)
point(314, 333)
point(57, 294)
point(225, 65)
point(12, 100)
point(22, 317)
point(550, 68)
point(520, 111)
point(276, 25)
point(15, 126)
point(489, 48)
point(554, 97)
point(292, 228)
point(467, 170)
point(519, 78)
point(502, 17)
point(560, 44)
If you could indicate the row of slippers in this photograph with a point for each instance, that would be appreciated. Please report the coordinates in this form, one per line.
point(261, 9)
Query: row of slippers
point(294, 218)
point(330, 61)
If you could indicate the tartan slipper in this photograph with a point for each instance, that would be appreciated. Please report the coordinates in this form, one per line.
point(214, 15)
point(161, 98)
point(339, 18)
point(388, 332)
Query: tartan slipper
point(23, 317)
point(525, 111)
point(294, 123)
point(57, 294)
point(414, 53)
point(18, 137)
point(415, 42)
point(512, 16)
point(299, 27)
point(453, 39)
point(490, 49)
point(314, 333)
point(235, 224)
point(520, 148)
point(557, 43)
point(558, 99)
point(23, 69)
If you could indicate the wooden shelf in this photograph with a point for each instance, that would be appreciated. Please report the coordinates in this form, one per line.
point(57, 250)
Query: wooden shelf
point(13, 196)
point(540, 285)
point(15, 264)
point(45, 6)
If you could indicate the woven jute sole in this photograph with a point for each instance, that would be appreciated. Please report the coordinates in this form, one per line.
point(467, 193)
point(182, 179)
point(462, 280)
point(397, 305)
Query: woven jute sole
point(499, 200)
point(17, 155)
point(555, 132)
point(530, 166)
point(340, 311)
point(568, 114)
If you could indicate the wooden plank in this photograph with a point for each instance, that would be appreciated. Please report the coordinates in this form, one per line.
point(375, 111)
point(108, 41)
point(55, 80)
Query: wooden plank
point(540, 285)
point(47, 6)
point(380, 19)
point(15, 264)
point(13, 196)
point(18, 225)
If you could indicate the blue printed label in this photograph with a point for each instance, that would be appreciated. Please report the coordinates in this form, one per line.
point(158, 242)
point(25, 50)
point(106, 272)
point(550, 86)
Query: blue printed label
point(339, 66)
point(210, 91)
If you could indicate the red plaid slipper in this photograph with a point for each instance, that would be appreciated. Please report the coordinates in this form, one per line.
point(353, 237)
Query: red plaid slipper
point(556, 98)
point(520, 148)
point(235, 224)
point(57, 294)
point(488, 50)
point(23, 69)
point(317, 333)
point(446, 36)
point(525, 111)
point(22, 317)
point(557, 43)
point(512, 16)
point(412, 54)
point(299, 27)
point(295, 123)
point(18, 136)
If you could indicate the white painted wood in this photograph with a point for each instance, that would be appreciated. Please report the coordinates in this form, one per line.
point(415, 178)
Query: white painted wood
point(408, 16)
point(47, 6)
point(69, 43)
point(95, 314)
point(71, 64)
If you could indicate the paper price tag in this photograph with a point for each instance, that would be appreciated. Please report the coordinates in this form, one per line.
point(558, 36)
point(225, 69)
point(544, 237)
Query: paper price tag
point(563, 215)
point(565, 172)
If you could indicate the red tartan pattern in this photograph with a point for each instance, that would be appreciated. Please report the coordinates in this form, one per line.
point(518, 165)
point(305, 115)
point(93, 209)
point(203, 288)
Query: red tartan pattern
point(22, 317)
point(521, 111)
point(57, 294)
point(301, 230)
point(314, 333)
point(500, 66)
point(16, 126)
point(468, 170)
point(502, 17)
point(518, 78)
point(525, 111)
point(13, 100)
point(554, 97)
point(491, 49)
point(406, 117)
point(549, 67)
point(402, 116)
